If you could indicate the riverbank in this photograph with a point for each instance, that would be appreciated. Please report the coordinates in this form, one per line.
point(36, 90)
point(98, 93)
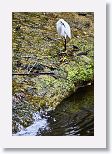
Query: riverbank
point(37, 49)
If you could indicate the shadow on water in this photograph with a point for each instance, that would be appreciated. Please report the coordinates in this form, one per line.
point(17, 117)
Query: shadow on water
point(74, 116)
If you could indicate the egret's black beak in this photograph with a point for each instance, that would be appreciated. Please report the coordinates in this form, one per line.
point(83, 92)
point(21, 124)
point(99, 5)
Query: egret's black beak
point(62, 23)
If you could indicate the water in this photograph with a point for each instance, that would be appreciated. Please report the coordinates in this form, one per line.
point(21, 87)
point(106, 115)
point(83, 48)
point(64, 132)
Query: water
point(74, 116)
point(39, 123)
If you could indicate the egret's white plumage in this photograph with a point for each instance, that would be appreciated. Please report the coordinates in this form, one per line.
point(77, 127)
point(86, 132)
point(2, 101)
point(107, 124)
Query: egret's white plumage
point(63, 29)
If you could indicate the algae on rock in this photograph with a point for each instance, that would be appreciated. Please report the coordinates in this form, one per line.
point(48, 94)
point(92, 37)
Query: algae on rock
point(37, 47)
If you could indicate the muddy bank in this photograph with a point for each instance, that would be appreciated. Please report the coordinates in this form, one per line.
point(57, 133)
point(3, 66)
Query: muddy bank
point(38, 50)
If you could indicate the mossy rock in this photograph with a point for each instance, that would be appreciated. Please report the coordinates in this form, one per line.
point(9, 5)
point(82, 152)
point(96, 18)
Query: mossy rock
point(34, 39)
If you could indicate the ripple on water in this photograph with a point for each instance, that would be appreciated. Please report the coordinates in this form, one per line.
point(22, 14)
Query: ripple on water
point(39, 124)
point(74, 116)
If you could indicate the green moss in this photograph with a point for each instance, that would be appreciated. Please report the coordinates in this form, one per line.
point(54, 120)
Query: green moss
point(34, 35)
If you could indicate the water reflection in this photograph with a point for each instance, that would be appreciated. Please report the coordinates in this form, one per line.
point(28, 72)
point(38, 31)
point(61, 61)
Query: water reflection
point(74, 116)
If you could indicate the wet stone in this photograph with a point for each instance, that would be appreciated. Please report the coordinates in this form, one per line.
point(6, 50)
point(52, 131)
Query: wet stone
point(37, 49)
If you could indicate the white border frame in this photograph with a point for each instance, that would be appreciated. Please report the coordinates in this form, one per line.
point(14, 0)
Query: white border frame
point(99, 138)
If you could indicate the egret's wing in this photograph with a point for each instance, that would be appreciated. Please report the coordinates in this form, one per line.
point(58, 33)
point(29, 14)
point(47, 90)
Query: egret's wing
point(58, 27)
point(67, 30)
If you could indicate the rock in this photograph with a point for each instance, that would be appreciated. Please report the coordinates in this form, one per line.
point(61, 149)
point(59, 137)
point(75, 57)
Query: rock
point(69, 70)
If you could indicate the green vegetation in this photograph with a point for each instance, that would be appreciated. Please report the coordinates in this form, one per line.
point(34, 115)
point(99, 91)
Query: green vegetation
point(36, 45)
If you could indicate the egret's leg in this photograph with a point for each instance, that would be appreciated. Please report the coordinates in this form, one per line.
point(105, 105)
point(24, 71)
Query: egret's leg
point(65, 44)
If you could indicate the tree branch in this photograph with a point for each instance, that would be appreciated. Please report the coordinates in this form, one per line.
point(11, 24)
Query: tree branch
point(37, 74)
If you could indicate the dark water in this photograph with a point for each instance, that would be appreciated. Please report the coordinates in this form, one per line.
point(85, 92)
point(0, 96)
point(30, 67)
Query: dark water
point(74, 116)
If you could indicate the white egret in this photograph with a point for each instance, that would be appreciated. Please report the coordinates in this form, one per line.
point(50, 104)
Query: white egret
point(63, 29)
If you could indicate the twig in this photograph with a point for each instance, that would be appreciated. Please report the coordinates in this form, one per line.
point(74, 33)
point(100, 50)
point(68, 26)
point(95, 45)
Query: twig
point(37, 74)
point(32, 67)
